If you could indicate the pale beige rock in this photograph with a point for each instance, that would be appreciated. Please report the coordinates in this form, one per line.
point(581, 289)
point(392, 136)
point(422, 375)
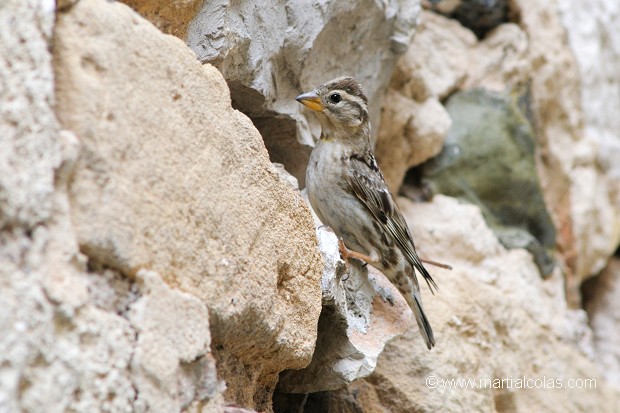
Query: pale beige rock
point(27, 125)
point(601, 302)
point(433, 64)
point(555, 94)
point(170, 370)
point(171, 178)
point(499, 61)
point(171, 17)
point(592, 31)
point(443, 57)
point(411, 133)
point(494, 319)
point(66, 344)
point(362, 312)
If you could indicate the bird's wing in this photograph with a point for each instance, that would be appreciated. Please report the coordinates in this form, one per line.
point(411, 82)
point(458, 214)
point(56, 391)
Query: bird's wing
point(368, 184)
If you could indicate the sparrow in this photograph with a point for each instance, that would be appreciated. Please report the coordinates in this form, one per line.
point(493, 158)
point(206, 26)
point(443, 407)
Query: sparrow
point(348, 193)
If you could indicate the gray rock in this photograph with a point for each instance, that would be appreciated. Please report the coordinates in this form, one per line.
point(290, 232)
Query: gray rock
point(270, 54)
point(488, 160)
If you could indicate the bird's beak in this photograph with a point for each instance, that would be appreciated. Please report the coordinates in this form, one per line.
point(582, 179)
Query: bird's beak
point(310, 100)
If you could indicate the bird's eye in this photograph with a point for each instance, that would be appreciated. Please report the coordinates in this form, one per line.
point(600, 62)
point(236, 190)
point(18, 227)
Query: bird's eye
point(335, 97)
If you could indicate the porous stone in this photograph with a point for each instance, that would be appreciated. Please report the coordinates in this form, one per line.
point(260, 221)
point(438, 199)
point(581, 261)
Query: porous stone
point(184, 186)
point(581, 203)
point(601, 295)
point(411, 133)
point(497, 324)
point(593, 37)
point(66, 342)
point(169, 16)
point(444, 57)
point(362, 312)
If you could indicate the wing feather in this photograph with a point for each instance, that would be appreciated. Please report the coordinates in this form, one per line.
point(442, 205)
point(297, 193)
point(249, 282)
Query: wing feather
point(368, 184)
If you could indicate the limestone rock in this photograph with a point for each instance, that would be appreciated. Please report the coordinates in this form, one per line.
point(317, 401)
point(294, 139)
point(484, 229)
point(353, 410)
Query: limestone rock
point(411, 133)
point(433, 64)
point(601, 301)
point(171, 178)
point(495, 318)
point(580, 200)
point(67, 343)
point(27, 125)
point(170, 16)
point(172, 363)
point(595, 43)
point(444, 57)
point(362, 312)
point(270, 54)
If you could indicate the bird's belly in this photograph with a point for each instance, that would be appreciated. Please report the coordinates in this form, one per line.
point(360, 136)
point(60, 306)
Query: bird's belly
point(342, 210)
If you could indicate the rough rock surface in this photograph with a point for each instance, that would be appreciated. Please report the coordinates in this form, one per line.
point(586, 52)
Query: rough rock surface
point(362, 312)
point(270, 54)
point(601, 302)
point(488, 160)
point(592, 30)
point(154, 226)
point(184, 186)
point(411, 133)
point(583, 206)
point(495, 318)
point(443, 58)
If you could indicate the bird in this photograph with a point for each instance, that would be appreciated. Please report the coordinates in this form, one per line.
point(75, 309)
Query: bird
point(347, 191)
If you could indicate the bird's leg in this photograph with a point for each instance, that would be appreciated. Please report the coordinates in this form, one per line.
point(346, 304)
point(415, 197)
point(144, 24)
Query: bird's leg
point(346, 253)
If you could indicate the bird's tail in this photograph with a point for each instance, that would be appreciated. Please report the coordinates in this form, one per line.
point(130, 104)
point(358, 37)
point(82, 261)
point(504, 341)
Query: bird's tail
point(415, 302)
point(411, 291)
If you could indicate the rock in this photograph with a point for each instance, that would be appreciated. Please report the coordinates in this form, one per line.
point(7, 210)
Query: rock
point(488, 160)
point(171, 17)
point(595, 43)
point(443, 58)
point(411, 134)
point(601, 296)
point(433, 64)
point(496, 319)
point(184, 186)
point(172, 361)
point(286, 177)
point(30, 152)
point(362, 311)
point(270, 54)
point(66, 342)
point(581, 203)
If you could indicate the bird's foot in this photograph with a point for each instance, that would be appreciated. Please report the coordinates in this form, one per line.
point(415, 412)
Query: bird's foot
point(346, 253)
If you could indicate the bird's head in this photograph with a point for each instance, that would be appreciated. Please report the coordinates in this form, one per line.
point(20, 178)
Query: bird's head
point(341, 105)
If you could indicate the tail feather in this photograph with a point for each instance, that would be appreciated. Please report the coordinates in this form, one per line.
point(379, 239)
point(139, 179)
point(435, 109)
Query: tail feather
point(423, 323)
point(408, 286)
